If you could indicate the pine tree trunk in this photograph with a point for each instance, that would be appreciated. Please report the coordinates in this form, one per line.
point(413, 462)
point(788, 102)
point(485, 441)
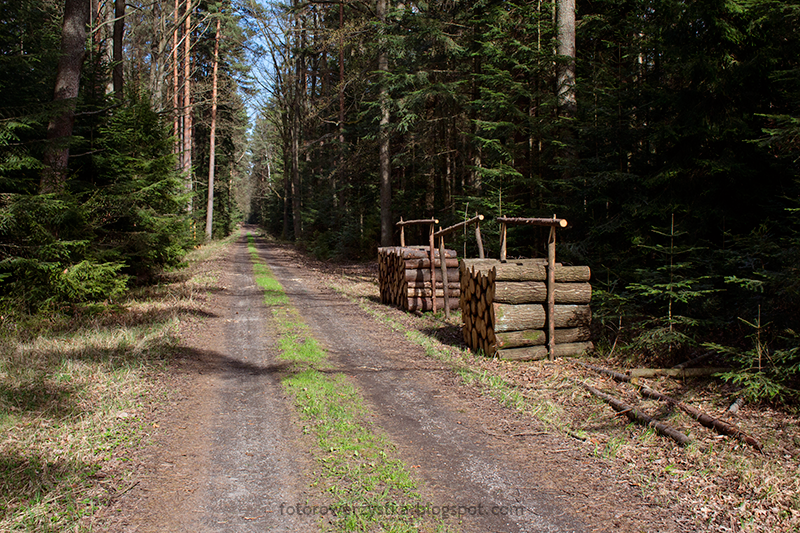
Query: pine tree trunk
point(565, 42)
point(176, 81)
point(108, 40)
point(341, 101)
point(385, 169)
point(119, 29)
point(187, 102)
point(157, 49)
point(212, 147)
point(287, 165)
point(68, 77)
point(297, 105)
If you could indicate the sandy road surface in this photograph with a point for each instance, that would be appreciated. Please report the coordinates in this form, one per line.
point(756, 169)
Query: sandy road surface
point(230, 452)
point(226, 456)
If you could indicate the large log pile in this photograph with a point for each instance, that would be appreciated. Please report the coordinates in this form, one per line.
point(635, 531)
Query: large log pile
point(504, 312)
point(404, 277)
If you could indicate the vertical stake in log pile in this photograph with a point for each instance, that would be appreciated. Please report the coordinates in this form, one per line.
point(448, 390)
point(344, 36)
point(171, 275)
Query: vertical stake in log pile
point(402, 233)
point(553, 223)
point(478, 238)
point(433, 267)
point(503, 239)
point(445, 282)
point(441, 233)
point(551, 293)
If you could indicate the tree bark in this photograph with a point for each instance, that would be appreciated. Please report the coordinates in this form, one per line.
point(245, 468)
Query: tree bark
point(341, 82)
point(212, 142)
point(521, 292)
point(529, 270)
point(533, 316)
point(297, 104)
point(187, 103)
point(176, 81)
point(119, 29)
point(537, 353)
point(565, 47)
point(384, 153)
point(68, 77)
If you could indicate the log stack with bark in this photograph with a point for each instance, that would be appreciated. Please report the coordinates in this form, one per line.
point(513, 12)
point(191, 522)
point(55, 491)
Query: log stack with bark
point(504, 312)
point(404, 277)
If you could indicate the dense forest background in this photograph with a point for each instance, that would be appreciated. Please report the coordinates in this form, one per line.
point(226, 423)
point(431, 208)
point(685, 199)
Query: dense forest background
point(664, 131)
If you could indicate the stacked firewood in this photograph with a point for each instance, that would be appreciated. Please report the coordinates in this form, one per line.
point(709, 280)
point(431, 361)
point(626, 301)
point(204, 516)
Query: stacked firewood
point(404, 277)
point(503, 308)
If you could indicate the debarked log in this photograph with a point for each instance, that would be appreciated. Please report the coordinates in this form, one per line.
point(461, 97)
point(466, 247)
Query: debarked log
point(421, 274)
point(425, 292)
point(509, 317)
point(536, 353)
point(637, 373)
point(426, 263)
point(537, 337)
point(530, 270)
point(451, 284)
point(426, 304)
point(521, 292)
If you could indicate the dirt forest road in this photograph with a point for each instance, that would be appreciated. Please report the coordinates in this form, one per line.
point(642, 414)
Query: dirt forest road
point(230, 452)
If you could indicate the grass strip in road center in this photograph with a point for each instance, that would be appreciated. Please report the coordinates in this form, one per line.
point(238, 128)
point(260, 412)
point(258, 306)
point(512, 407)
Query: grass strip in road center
point(367, 487)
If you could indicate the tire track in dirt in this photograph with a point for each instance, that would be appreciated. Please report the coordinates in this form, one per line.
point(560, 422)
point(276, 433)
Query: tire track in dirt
point(226, 456)
point(411, 399)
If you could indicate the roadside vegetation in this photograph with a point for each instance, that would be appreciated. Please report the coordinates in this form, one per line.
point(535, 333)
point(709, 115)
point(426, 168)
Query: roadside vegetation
point(76, 387)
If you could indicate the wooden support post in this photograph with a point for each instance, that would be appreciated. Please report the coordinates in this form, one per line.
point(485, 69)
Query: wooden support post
point(551, 293)
point(549, 307)
point(402, 234)
point(478, 239)
point(445, 284)
point(503, 239)
point(433, 268)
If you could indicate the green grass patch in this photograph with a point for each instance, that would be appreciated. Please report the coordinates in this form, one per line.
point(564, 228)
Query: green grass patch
point(370, 489)
point(274, 294)
point(366, 486)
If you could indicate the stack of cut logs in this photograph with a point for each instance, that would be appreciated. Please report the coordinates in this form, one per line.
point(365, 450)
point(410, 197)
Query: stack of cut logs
point(503, 308)
point(404, 276)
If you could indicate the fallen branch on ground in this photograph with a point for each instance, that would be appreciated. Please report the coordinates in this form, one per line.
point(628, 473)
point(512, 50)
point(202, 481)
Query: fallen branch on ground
point(675, 372)
point(703, 418)
point(637, 416)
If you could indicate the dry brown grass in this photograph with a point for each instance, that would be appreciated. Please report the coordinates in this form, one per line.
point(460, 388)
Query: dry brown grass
point(75, 391)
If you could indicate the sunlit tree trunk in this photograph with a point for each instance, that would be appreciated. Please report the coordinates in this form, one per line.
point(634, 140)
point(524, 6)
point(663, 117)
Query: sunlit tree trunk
point(384, 154)
point(176, 80)
point(565, 43)
point(297, 101)
point(187, 102)
point(212, 147)
point(68, 77)
point(119, 29)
